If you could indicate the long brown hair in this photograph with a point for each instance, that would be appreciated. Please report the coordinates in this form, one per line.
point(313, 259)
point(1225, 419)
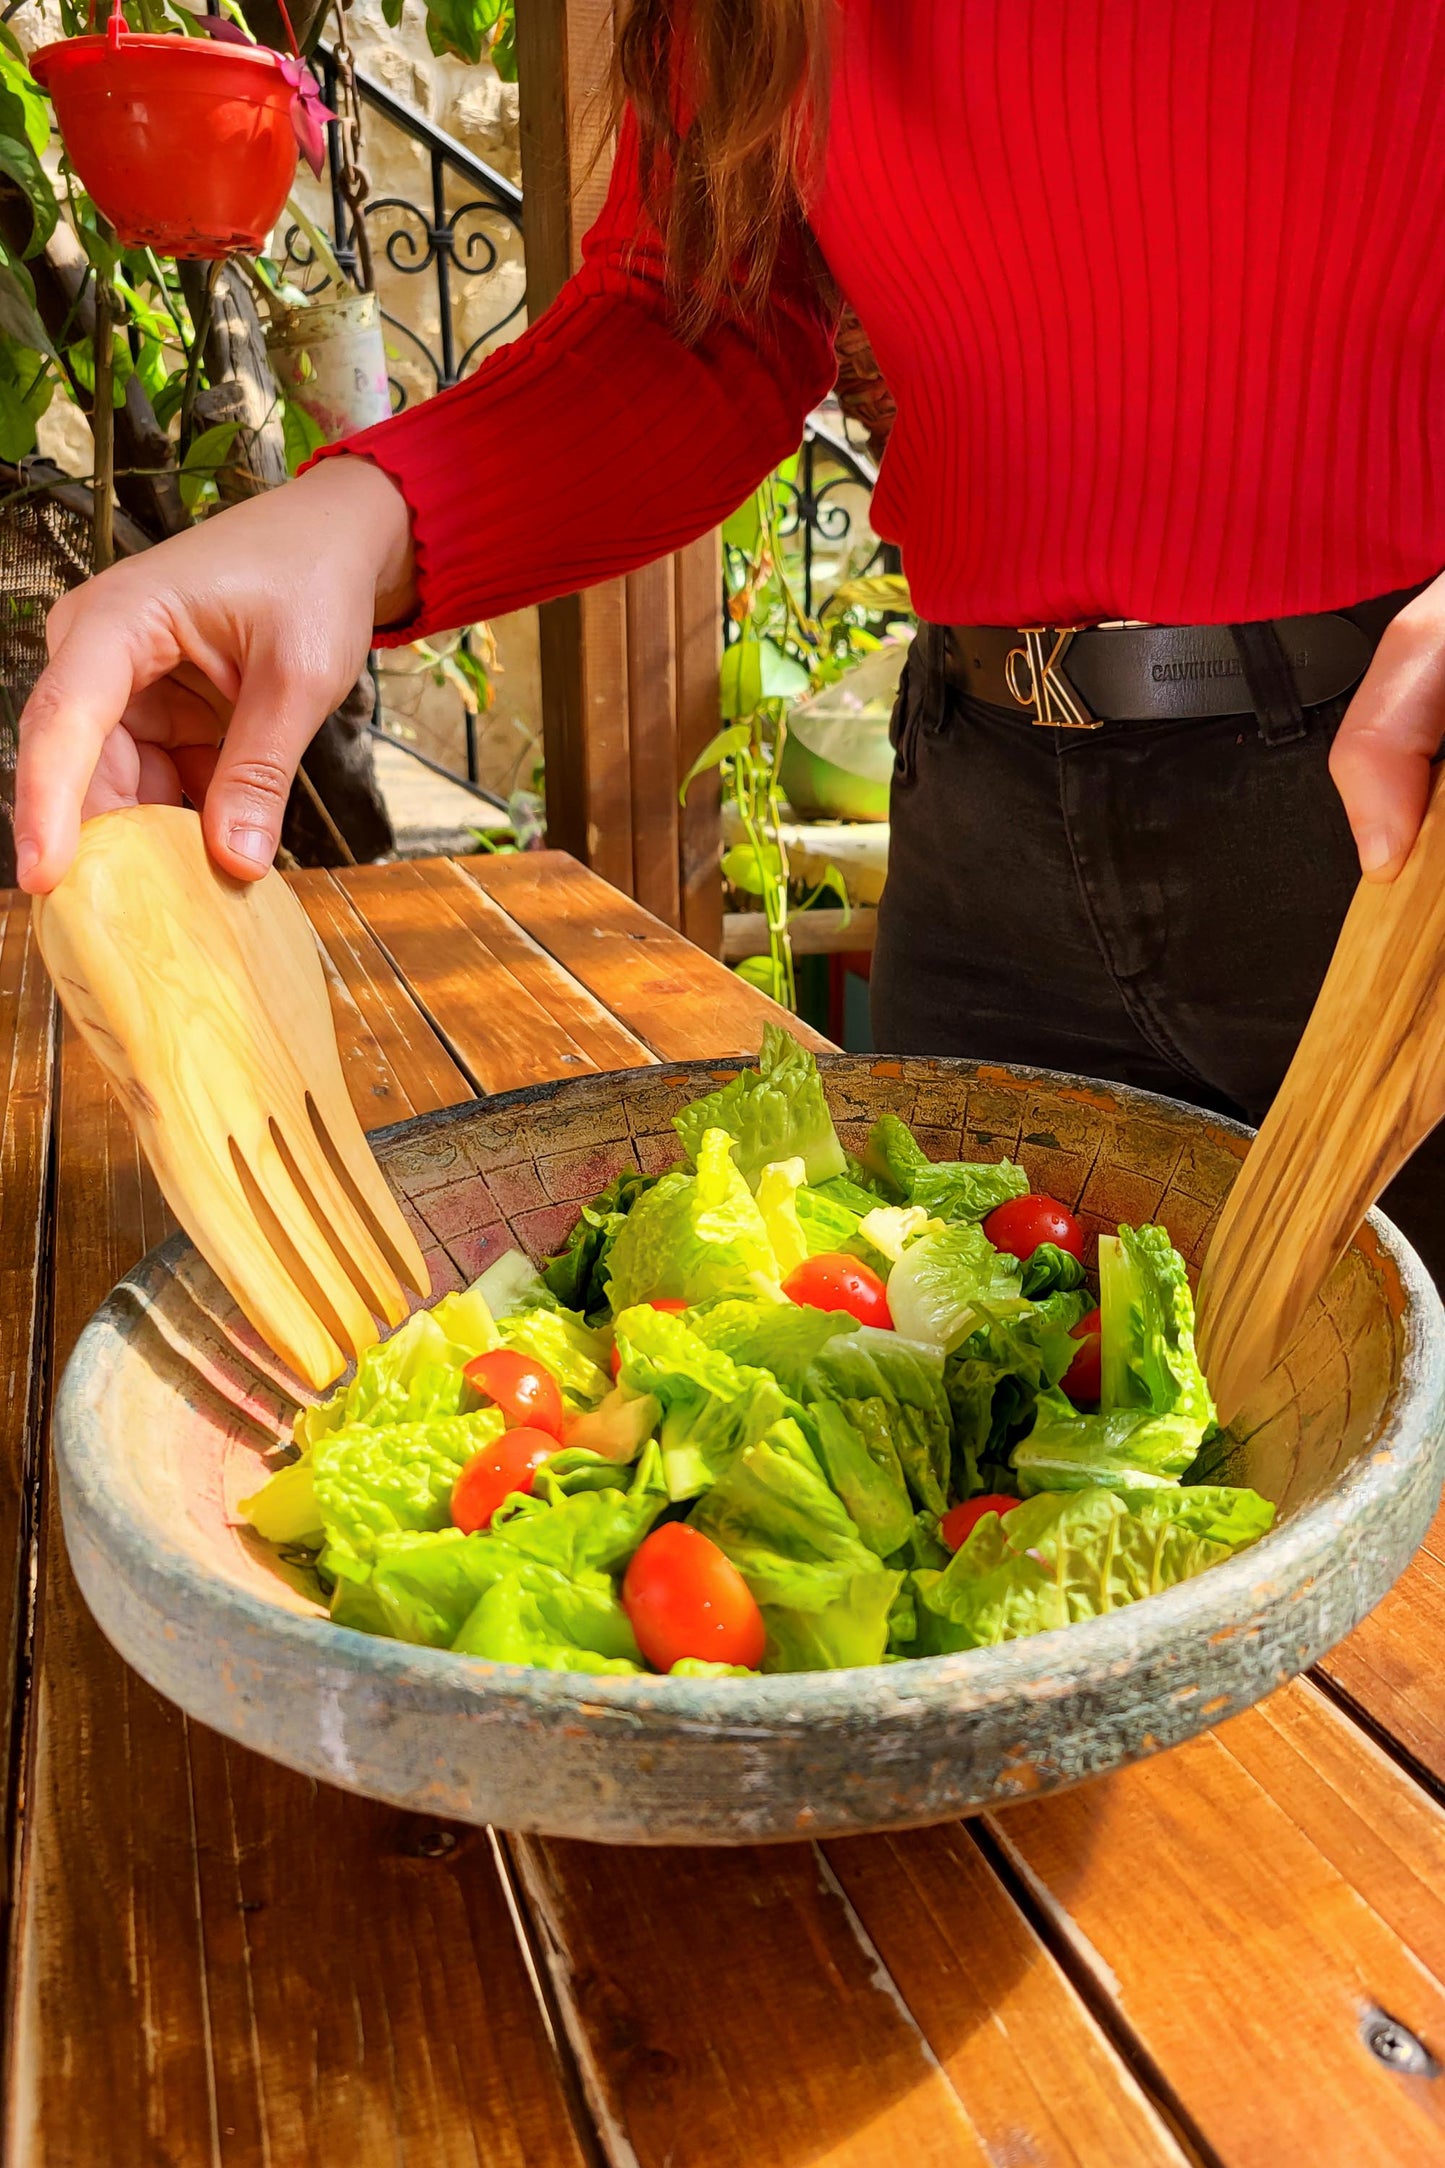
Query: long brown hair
point(730, 97)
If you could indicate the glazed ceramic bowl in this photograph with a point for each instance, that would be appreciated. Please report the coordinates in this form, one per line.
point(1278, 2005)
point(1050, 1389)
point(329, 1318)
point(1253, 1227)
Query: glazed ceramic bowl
point(170, 1412)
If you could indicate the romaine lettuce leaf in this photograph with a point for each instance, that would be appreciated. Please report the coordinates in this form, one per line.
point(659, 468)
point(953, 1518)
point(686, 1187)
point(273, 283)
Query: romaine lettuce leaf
point(778, 1187)
point(618, 1427)
point(947, 1189)
point(512, 1282)
point(1147, 1353)
point(711, 1406)
point(993, 1379)
point(889, 1228)
point(824, 1597)
point(1061, 1558)
point(577, 1276)
point(375, 1481)
point(700, 1667)
point(781, 1337)
point(564, 1344)
point(694, 1236)
point(563, 1550)
point(1119, 1448)
point(1051, 1271)
point(828, 1224)
point(1155, 1408)
point(892, 1392)
point(414, 1375)
point(515, 1624)
point(938, 1284)
point(866, 1474)
point(776, 1111)
point(285, 1510)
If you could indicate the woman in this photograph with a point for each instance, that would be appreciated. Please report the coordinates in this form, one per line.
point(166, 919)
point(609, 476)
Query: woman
point(1157, 291)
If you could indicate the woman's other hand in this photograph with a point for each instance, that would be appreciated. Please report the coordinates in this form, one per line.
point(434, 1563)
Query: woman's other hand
point(1391, 733)
point(205, 666)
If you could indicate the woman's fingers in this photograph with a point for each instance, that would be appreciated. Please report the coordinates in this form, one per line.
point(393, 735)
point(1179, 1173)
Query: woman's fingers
point(77, 703)
point(1391, 734)
point(279, 710)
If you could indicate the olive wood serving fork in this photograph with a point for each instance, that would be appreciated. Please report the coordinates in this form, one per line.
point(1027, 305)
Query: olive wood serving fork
point(205, 1001)
point(1366, 1086)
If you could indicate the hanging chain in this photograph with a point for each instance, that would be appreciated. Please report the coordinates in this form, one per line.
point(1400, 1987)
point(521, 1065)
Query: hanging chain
point(351, 176)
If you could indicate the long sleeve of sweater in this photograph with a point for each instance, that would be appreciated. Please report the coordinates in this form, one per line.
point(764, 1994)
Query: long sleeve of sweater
point(600, 439)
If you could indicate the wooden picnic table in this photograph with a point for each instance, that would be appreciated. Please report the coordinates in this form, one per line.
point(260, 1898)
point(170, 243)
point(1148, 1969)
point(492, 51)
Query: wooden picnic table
point(1234, 1953)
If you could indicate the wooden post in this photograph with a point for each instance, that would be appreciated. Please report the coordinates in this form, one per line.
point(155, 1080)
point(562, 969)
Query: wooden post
point(629, 669)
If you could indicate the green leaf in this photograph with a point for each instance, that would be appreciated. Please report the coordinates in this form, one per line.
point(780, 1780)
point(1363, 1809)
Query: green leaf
point(80, 358)
point(753, 870)
point(18, 318)
point(776, 1111)
point(937, 1285)
point(1058, 1559)
point(693, 1236)
point(170, 398)
point(742, 530)
point(824, 1596)
point(16, 78)
point(26, 388)
point(765, 973)
point(832, 880)
point(875, 592)
point(711, 1406)
point(204, 461)
point(740, 679)
point(20, 161)
point(723, 747)
point(391, 12)
point(303, 435)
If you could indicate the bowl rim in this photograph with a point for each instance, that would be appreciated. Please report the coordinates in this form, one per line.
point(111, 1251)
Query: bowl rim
point(1097, 1647)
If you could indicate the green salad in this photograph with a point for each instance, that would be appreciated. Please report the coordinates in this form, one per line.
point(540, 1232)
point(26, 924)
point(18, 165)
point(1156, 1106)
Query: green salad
point(776, 1409)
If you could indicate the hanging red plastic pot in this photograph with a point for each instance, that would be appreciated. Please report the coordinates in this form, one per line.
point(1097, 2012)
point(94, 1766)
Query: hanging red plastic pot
point(188, 147)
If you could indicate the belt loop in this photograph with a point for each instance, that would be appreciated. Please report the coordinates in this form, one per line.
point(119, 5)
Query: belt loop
point(1273, 692)
point(933, 698)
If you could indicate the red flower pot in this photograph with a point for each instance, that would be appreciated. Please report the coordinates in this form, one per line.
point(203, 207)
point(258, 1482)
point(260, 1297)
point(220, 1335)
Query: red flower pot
point(188, 147)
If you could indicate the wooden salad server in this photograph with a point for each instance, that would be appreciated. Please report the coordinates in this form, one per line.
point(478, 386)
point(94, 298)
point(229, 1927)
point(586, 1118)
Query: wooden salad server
point(205, 1001)
point(1366, 1086)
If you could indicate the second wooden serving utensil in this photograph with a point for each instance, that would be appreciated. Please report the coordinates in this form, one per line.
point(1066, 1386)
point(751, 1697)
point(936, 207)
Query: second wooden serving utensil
point(1366, 1086)
point(205, 1001)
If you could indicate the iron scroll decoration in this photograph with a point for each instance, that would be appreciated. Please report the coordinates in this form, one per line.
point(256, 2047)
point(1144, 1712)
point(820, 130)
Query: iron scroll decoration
point(447, 241)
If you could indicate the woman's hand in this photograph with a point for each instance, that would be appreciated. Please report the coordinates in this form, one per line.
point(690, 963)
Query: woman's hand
point(1391, 733)
point(206, 665)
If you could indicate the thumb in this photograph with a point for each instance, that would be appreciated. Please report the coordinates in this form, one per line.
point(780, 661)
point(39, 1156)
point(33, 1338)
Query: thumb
point(1391, 733)
point(277, 714)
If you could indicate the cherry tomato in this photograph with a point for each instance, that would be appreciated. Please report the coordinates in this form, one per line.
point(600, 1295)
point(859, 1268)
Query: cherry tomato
point(1082, 1380)
point(508, 1464)
point(959, 1523)
point(685, 1597)
point(1024, 1222)
point(520, 1387)
point(839, 1282)
point(673, 1304)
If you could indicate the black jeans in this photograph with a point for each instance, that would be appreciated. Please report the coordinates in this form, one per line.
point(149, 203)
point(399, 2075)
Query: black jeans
point(1154, 903)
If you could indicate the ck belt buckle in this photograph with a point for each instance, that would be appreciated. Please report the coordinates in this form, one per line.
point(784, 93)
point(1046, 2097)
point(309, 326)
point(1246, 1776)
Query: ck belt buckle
point(1048, 692)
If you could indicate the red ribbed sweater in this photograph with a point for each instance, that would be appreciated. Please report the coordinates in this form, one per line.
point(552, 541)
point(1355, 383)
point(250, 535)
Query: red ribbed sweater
point(1157, 285)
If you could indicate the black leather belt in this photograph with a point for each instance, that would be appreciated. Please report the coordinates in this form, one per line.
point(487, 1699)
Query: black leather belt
point(1077, 678)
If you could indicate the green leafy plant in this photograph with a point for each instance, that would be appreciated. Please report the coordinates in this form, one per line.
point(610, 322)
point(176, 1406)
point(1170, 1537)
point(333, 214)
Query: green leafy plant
point(778, 655)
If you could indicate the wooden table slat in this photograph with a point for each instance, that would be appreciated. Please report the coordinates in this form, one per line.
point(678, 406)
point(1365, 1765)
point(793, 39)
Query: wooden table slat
point(1392, 1667)
point(27, 1035)
point(1007, 2025)
point(502, 1005)
point(1246, 1902)
point(680, 1002)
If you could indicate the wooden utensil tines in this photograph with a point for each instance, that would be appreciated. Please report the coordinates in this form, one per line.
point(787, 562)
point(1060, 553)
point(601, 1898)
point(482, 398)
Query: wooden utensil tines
point(205, 1001)
point(1366, 1086)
